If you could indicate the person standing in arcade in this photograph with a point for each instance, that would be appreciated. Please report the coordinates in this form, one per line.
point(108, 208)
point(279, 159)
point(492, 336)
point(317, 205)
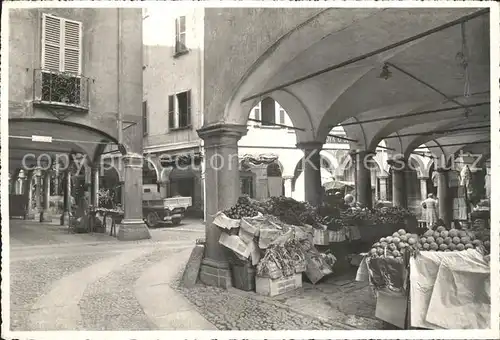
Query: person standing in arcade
point(430, 206)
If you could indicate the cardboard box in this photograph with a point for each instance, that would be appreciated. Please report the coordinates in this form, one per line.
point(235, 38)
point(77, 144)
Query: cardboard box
point(391, 307)
point(234, 243)
point(269, 287)
point(224, 222)
point(321, 237)
point(245, 236)
point(336, 236)
point(252, 225)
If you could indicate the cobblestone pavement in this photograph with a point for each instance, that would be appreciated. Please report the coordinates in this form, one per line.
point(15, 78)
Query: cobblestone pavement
point(62, 281)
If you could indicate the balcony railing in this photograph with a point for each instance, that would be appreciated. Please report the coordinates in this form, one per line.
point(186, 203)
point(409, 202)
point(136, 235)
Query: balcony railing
point(62, 89)
point(335, 140)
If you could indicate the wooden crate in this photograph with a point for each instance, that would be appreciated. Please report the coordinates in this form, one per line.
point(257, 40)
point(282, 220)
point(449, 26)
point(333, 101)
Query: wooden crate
point(269, 287)
point(321, 237)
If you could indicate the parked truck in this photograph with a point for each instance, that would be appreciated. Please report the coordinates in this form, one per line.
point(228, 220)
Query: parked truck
point(157, 210)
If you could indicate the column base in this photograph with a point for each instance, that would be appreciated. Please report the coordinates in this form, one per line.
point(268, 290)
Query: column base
point(45, 216)
point(215, 273)
point(133, 230)
point(30, 215)
point(64, 219)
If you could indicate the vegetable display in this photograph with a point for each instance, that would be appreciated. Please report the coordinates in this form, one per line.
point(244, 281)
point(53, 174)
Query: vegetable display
point(452, 240)
point(243, 208)
point(394, 246)
point(385, 215)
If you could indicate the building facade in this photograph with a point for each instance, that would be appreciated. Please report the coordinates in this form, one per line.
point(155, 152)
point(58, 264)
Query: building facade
point(75, 91)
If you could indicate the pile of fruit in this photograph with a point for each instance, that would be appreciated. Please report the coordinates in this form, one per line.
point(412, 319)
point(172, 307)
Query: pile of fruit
point(243, 208)
point(395, 245)
point(333, 223)
point(452, 240)
point(392, 215)
point(290, 211)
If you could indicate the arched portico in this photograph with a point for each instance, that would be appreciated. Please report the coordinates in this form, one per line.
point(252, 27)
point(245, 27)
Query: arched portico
point(321, 87)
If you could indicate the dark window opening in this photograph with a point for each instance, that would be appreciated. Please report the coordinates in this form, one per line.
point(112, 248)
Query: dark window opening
point(268, 108)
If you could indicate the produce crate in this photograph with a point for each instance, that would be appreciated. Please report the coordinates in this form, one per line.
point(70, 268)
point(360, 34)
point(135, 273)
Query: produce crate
point(335, 236)
point(321, 237)
point(268, 287)
point(243, 276)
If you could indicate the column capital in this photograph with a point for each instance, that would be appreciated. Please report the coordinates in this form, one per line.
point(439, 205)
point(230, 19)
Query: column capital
point(423, 178)
point(384, 176)
point(397, 163)
point(133, 160)
point(212, 133)
point(287, 177)
point(312, 145)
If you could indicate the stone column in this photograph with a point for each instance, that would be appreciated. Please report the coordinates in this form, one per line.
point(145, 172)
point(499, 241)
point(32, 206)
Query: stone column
point(312, 171)
point(445, 212)
point(222, 185)
point(67, 198)
point(38, 190)
point(423, 187)
point(132, 227)
point(30, 214)
point(45, 213)
point(363, 178)
point(383, 187)
point(56, 180)
point(94, 189)
point(398, 183)
point(288, 185)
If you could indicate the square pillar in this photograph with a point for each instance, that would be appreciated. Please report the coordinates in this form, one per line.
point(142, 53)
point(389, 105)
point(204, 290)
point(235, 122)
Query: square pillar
point(399, 198)
point(288, 185)
point(384, 189)
point(222, 186)
point(67, 197)
point(444, 202)
point(311, 165)
point(132, 227)
point(38, 190)
point(30, 214)
point(45, 213)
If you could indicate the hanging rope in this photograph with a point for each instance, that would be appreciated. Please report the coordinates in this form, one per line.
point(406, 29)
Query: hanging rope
point(465, 61)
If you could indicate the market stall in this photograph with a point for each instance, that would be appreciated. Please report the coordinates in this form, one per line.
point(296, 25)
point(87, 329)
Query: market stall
point(440, 280)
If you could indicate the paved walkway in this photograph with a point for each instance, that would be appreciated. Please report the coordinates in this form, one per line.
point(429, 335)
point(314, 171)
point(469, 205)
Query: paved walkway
point(62, 281)
point(100, 285)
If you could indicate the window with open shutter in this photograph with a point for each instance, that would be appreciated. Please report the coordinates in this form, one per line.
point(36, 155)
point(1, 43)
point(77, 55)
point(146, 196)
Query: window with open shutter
point(180, 35)
point(171, 112)
point(184, 108)
point(61, 44)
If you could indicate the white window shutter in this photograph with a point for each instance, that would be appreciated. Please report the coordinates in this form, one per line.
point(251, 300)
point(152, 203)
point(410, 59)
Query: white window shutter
point(51, 42)
point(72, 46)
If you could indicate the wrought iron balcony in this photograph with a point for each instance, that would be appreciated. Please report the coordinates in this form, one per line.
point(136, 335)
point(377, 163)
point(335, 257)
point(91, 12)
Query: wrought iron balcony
point(61, 89)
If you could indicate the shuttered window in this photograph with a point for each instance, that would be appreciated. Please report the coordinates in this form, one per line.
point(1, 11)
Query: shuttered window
point(61, 44)
point(180, 34)
point(171, 112)
point(282, 116)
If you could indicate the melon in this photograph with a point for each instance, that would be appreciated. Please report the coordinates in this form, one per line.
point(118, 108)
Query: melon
point(402, 232)
point(462, 233)
point(436, 234)
point(439, 240)
point(447, 250)
point(430, 239)
point(383, 244)
point(392, 247)
point(376, 245)
point(404, 238)
point(448, 240)
point(383, 239)
point(477, 243)
point(402, 245)
point(426, 246)
point(380, 251)
point(373, 251)
point(419, 246)
point(434, 246)
point(396, 253)
point(389, 239)
point(440, 229)
point(412, 241)
point(428, 233)
point(395, 234)
point(396, 240)
point(452, 246)
point(453, 233)
point(460, 247)
point(465, 240)
point(469, 246)
point(423, 240)
point(444, 234)
point(456, 240)
point(443, 247)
